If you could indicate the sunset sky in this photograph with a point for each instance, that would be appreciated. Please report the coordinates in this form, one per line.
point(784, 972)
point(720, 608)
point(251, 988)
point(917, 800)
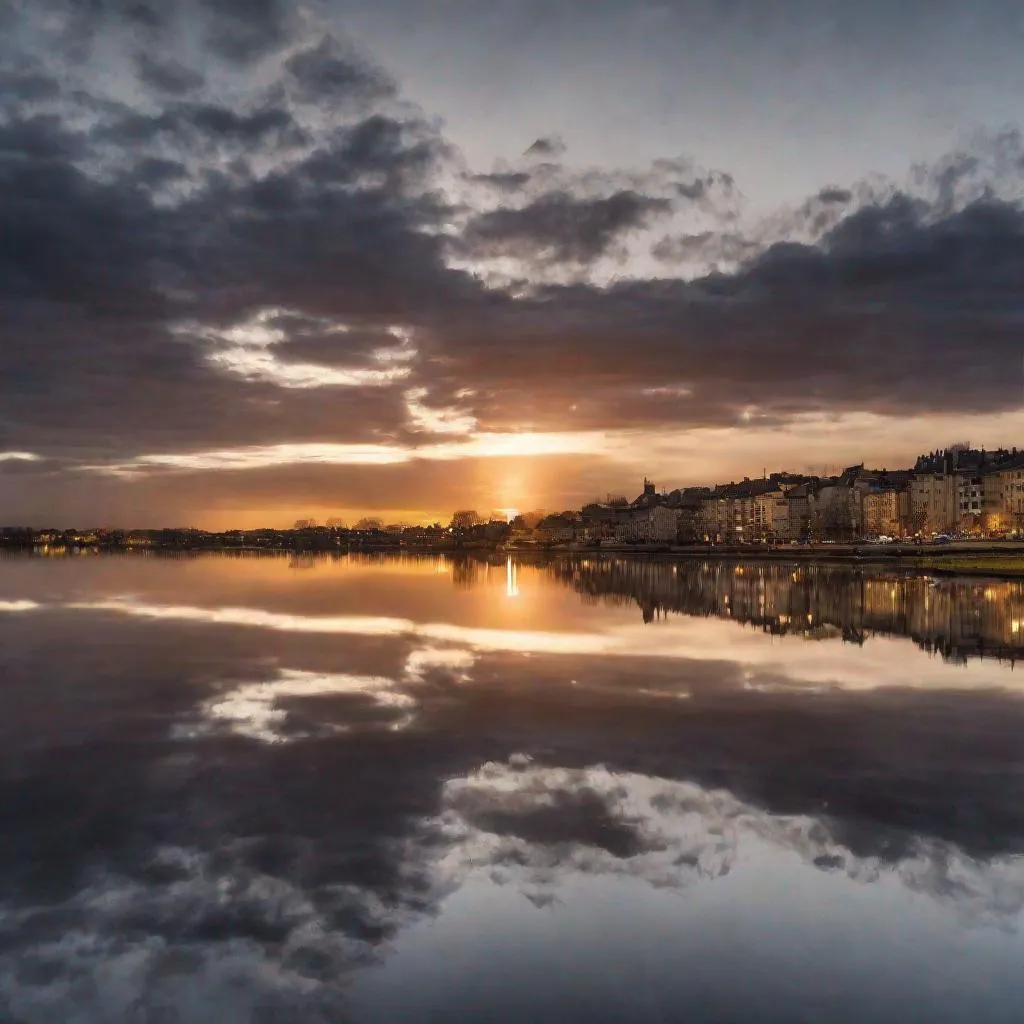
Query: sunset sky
point(263, 260)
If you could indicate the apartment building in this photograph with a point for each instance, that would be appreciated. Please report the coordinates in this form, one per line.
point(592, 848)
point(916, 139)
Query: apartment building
point(934, 503)
point(970, 499)
point(655, 524)
point(881, 514)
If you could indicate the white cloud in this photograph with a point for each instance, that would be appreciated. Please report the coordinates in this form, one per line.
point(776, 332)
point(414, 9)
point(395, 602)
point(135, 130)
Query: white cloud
point(808, 667)
point(252, 709)
point(245, 350)
point(445, 420)
point(258, 365)
point(454, 660)
point(680, 833)
point(480, 446)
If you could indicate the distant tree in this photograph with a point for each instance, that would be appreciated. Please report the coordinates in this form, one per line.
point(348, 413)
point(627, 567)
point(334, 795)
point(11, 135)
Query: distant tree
point(305, 524)
point(337, 524)
point(367, 524)
point(465, 519)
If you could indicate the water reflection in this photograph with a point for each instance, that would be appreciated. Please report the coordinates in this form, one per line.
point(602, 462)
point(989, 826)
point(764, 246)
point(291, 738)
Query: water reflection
point(956, 618)
point(511, 579)
point(375, 790)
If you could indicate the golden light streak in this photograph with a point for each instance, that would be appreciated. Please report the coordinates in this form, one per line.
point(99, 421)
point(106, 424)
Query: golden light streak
point(677, 637)
point(482, 446)
point(511, 579)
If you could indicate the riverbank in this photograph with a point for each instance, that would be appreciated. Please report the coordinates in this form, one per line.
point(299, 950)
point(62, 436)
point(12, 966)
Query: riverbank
point(995, 559)
point(1001, 566)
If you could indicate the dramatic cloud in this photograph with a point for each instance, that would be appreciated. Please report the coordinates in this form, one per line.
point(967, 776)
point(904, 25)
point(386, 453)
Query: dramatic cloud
point(536, 826)
point(162, 190)
point(560, 228)
point(327, 74)
point(548, 148)
point(170, 76)
point(244, 30)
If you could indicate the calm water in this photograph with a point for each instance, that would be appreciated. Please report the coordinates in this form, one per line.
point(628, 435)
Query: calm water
point(262, 789)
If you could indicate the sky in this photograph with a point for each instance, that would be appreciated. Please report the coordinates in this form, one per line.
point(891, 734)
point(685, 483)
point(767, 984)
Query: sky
point(263, 260)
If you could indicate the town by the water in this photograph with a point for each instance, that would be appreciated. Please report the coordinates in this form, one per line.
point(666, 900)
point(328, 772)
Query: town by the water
point(958, 495)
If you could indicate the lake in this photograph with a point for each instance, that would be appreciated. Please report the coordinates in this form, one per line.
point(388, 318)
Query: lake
point(397, 789)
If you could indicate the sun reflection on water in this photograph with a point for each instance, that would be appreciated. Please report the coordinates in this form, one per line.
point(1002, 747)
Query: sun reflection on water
point(511, 579)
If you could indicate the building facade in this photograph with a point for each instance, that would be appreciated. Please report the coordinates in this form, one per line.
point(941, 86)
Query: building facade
point(882, 514)
point(656, 524)
point(934, 503)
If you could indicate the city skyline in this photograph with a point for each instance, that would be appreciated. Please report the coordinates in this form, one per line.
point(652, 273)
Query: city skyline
point(277, 260)
point(974, 491)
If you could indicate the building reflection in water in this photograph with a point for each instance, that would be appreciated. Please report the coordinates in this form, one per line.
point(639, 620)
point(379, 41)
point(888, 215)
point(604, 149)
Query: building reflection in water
point(958, 618)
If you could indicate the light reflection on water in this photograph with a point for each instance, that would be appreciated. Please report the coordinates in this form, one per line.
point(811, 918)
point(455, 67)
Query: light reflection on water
point(413, 789)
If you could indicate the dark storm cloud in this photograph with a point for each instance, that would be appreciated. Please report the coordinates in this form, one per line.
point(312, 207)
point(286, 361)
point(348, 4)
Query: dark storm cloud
point(705, 247)
point(94, 273)
point(548, 147)
point(245, 30)
point(239, 32)
point(556, 219)
point(342, 233)
point(28, 86)
point(186, 124)
point(561, 228)
point(66, 237)
point(835, 195)
point(505, 181)
point(154, 172)
point(327, 73)
point(895, 293)
point(146, 15)
point(167, 76)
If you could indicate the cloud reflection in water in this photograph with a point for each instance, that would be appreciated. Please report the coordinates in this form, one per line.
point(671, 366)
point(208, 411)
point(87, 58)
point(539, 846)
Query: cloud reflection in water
point(281, 795)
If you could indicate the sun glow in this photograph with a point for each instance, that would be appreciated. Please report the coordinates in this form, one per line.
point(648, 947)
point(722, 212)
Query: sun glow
point(479, 446)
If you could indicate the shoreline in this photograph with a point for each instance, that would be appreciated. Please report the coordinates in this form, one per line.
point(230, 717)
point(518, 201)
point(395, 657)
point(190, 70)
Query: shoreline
point(993, 560)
